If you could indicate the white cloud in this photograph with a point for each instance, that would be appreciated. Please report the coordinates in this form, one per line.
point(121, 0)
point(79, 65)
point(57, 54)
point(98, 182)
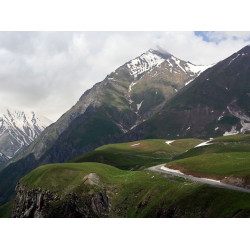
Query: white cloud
point(49, 71)
point(217, 36)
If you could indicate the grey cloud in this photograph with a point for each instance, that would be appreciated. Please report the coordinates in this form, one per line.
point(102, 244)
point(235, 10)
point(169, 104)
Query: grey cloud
point(159, 48)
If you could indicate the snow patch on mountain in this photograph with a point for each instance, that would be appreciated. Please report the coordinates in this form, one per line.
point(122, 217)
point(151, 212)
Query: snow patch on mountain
point(3, 157)
point(189, 82)
point(170, 64)
point(177, 61)
point(232, 132)
point(169, 142)
point(139, 105)
point(233, 59)
point(244, 118)
point(206, 143)
point(197, 68)
point(221, 116)
point(144, 63)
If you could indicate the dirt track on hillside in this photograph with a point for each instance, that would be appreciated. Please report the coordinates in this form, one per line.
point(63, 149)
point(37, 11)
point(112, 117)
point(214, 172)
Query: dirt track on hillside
point(205, 181)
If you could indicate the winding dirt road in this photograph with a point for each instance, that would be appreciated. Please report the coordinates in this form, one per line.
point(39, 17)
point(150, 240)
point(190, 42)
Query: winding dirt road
point(203, 180)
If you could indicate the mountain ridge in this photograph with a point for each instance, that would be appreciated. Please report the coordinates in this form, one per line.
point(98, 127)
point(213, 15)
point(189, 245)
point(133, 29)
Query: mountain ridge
point(18, 129)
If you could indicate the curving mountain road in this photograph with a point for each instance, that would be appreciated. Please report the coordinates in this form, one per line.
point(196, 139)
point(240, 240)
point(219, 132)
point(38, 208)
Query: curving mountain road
point(203, 180)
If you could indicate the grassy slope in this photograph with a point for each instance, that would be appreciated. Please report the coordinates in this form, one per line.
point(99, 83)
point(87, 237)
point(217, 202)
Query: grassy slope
point(218, 147)
point(143, 193)
point(149, 194)
point(226, 157)
point(6, 209)
point(233, 138)
point(216, 165)
point(147, 153)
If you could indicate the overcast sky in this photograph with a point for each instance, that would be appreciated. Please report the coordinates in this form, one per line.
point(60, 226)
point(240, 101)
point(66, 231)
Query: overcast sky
point(47, 72)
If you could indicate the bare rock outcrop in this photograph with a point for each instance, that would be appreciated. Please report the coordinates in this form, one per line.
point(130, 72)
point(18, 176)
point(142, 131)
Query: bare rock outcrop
point(42, 203)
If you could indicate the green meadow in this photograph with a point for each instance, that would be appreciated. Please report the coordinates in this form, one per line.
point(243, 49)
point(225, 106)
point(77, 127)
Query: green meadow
point(216, 165)
point(227, 156)
point(137, 155)
point(143, 193)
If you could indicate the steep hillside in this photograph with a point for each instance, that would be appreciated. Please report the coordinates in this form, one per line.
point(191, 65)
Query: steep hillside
point(214, 104)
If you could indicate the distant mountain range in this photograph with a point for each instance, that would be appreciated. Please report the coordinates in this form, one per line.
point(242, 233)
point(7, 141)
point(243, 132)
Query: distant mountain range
point(18, 129)
point(155, 95)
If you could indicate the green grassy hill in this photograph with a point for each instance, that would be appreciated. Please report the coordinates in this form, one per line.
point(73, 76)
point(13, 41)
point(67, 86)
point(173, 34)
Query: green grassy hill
point(225, 159)
point(130, 193)
point(96, 184)
point(224, 144)
point(137, 155)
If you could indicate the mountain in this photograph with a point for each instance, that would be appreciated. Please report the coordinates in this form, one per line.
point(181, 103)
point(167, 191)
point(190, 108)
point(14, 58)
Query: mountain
point(105, 114)
point(214, 104)
point(18, 129)
point(125, 98)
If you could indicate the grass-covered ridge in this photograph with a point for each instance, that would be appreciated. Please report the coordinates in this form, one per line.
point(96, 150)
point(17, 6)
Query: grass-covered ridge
point(140, 193)
point(57, 177)
point(137, 155)
point(233, 138)
point(218, 147)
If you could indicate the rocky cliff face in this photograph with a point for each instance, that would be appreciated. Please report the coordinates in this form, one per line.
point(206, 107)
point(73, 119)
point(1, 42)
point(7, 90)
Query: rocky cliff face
point(42, 203)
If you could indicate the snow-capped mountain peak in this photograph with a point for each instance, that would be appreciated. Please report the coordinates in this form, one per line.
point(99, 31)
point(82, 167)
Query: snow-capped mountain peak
point(153, 58)
point(144, 62)
point(18, 129)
